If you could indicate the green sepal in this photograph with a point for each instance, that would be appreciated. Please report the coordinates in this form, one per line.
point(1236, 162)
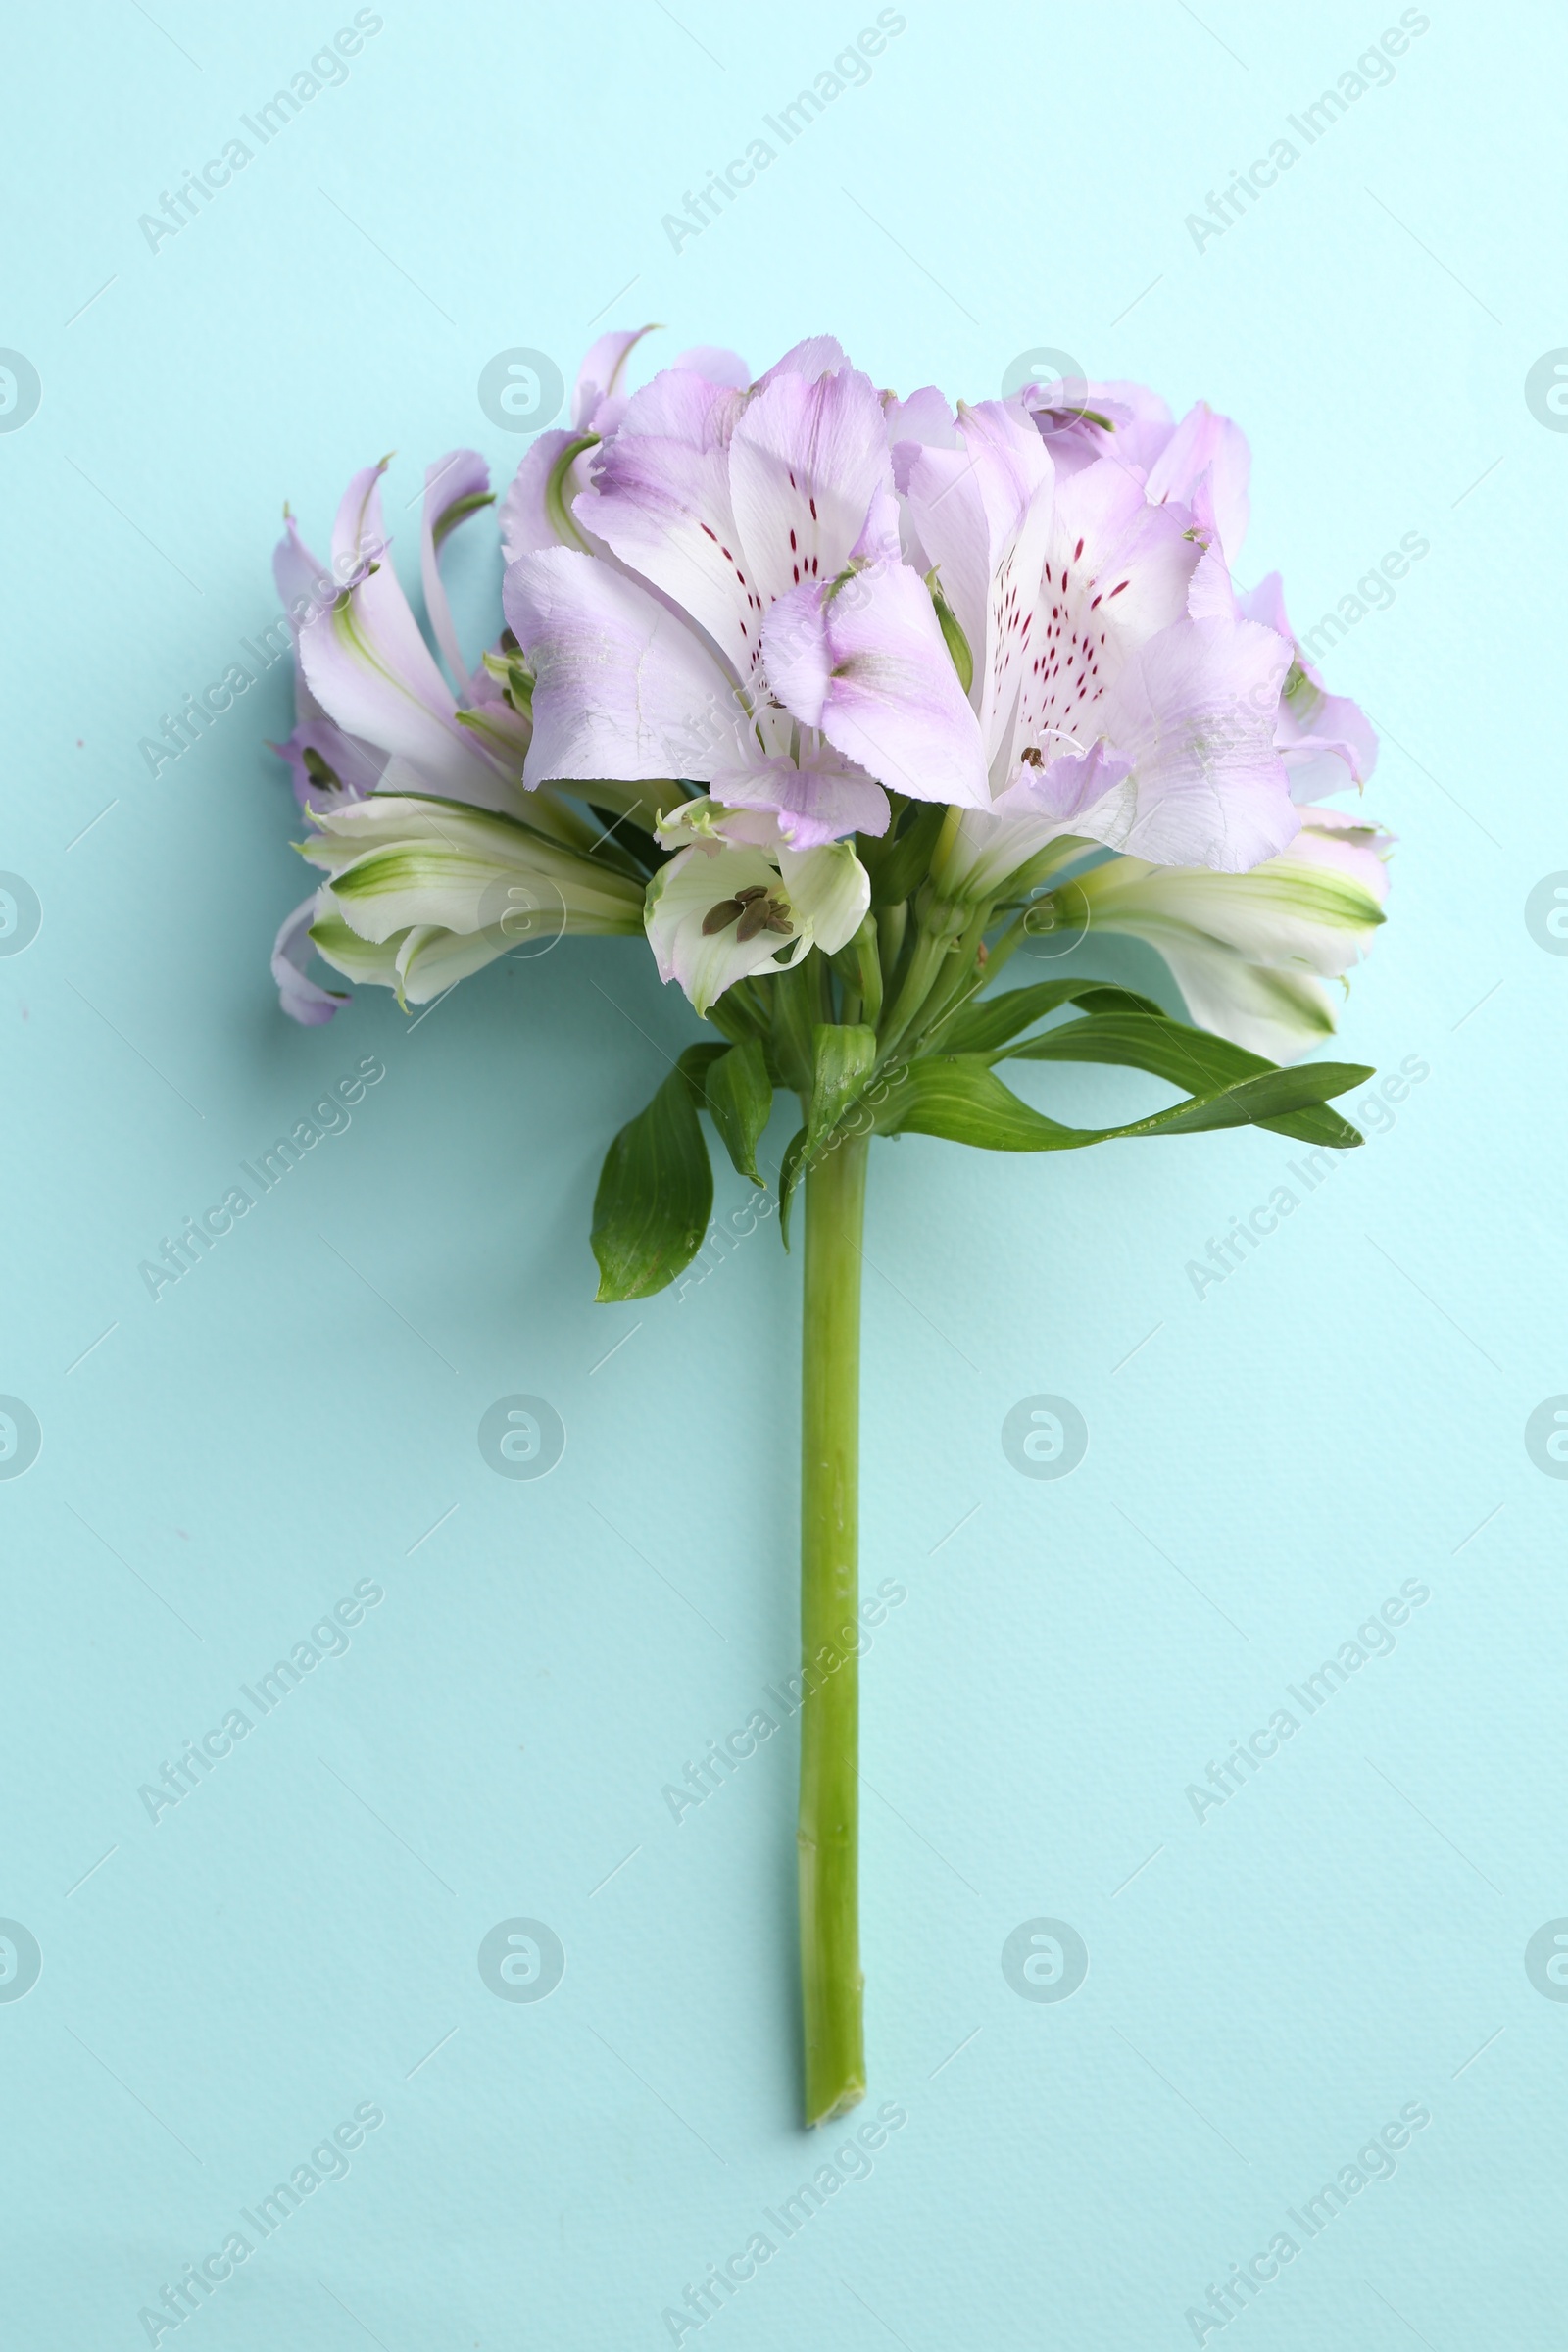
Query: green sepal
point(555, 503)
point(459, 510)
point(953, 636)
point(740, 1101)
point(961, 1098)
point(655, 1188)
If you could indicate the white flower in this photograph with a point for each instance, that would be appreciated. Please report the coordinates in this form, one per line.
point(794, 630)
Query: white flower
point(423, 892)
point(738, 899)
point(1249, 951)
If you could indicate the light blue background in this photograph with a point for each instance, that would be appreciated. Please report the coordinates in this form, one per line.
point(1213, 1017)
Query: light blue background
point(1344, 1413)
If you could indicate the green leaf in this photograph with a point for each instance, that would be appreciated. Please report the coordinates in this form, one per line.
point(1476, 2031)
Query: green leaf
point(656, 1188)
point(841, 1059)
point(1190, 1058)
point(989, 1022)
point(961, 1098)
point(739, 1099)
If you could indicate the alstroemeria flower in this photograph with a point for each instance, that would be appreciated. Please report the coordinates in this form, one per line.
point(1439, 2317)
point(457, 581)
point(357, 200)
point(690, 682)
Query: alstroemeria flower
point(737, 899)
point(423, 892)
point(750, 612)
point(1249, 951)
point(1105, 708)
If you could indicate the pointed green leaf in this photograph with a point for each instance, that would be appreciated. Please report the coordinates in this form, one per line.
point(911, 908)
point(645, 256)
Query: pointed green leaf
point(987, 1022)
point(739, 1099)
point(960, 1097)
point(1190, 1058)
point(655, 1190)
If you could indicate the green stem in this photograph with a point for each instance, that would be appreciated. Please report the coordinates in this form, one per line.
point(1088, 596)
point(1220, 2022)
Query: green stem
point(831, 1982)
point(924, 964)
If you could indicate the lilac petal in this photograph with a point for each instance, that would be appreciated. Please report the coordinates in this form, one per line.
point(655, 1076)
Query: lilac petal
point(1066, 787)
point(1195, 709)
point(301, 998)
point(461, 474)
point(1205, 465)
point(622, 687)
point(304, 586)
point(527, 522)
point(818, 355)
point(370, 669)
point(1116, 572)
point(1140, 420)
point(661, 501)
point(716, 365)
point(823, 801)
point(806, 460)
point(598, 377)
point(1326, 740)
point(865, 660)
point(358, 767)
point(983, 512)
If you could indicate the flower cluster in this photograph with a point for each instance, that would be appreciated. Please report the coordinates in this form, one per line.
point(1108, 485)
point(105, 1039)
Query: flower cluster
point(780, 651)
